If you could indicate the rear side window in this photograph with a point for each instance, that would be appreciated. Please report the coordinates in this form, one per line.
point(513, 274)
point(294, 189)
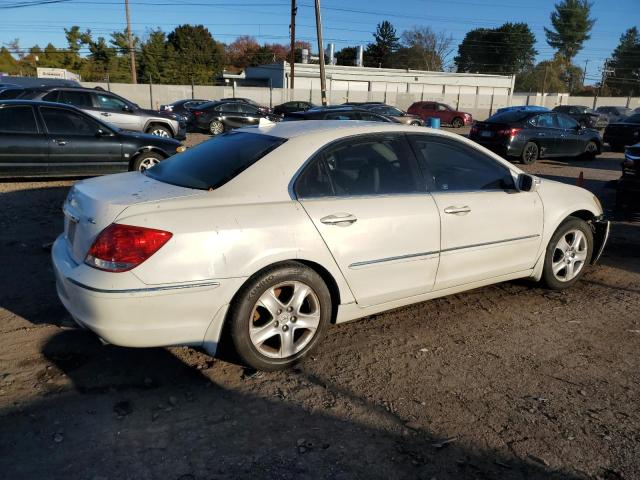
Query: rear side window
point(17, 119)
point(79, 99)
point(11, 93)
point(453, 167)
point(214, 162)
point(370, 165)
point(566, 122)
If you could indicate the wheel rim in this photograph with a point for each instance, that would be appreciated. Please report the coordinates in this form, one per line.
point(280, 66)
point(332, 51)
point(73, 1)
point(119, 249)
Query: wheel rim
point(569, 255)
point(591, 148)
point(216, 128)
point(147, 163)
point(284, 320)
point(159, 132)
point(530, 153)
point(457, 123)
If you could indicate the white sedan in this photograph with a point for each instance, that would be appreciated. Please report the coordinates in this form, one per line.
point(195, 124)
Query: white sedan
point(273, 233)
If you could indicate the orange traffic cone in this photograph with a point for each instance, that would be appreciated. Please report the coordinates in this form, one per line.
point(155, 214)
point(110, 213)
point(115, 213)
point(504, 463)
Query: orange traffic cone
point(580, 181)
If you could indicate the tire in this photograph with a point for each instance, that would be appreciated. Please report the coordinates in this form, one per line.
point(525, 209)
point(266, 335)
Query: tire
point(530, 153)
point(567, 254)
point(457, 123)
point(216, 127)
point(146, 160)
point(159, 131)
point(415, 124)
point(591, 150)
point(266, 338)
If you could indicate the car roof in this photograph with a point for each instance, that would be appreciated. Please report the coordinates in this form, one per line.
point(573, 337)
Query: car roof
point(38, 102)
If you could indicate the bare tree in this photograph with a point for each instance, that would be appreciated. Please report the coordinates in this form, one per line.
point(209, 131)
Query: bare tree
point(425, 49)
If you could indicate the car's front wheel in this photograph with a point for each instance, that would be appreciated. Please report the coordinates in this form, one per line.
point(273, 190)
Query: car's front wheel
point(568, 253)
point(279, 316)
point(591, 150)
point(457, 123)
point(146, 160)
point(159, 131)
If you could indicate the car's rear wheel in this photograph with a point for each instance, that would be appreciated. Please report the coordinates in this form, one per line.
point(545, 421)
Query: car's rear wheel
point(159, 131)
point(568, 253)
point(216, 127)
point(530, 153)
point(591, 150)
point(279, 316)
point(415, 124)
point(457, 123)
point(146, 160)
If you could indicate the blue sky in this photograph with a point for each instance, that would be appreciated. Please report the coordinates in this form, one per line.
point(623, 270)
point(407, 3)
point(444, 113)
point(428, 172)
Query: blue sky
point(345, 22)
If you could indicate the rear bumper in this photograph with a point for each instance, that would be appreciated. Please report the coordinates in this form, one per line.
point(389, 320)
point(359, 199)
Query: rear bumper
point(142, 316)
point(503, 147)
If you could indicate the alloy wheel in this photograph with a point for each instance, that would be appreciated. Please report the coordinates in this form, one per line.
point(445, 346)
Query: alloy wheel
point(216, 128)
point(284, 320)
point(569, 255)
point(147, 163)
point(530, 153)
point(592, 149)
point(160, 132)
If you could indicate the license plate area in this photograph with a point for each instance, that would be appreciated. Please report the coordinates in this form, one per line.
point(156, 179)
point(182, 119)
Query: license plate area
point(486, 133)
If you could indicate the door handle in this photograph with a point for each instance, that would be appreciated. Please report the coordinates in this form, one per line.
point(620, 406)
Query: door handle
point(340, 219)
point(457, 210)
point(62, 143)
point(105, 114)
point(542, 134)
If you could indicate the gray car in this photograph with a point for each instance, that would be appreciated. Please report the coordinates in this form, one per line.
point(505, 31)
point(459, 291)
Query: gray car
point(114, 109)
point(614, 114)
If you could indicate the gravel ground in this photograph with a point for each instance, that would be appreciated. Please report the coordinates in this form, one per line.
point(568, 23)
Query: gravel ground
point(508, 382)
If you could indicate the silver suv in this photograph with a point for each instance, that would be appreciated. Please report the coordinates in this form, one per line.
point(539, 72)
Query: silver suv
point(113, 109)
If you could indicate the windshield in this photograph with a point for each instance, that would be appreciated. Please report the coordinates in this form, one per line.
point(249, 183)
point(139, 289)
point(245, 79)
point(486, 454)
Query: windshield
point(214, 162)
point(509, 116)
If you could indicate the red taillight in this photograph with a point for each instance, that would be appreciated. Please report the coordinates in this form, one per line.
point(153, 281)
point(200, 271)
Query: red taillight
point(119, 248)
point(509, 132)
point(197, 113)
point(474, 130)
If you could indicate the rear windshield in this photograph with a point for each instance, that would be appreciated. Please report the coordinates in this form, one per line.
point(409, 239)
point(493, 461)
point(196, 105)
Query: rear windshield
point(214, 162)
point(511, 116)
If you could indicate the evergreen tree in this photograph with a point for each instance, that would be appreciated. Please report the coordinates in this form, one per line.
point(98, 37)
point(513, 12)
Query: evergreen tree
point(380, 53)
point(625, 63)
point(571, 27)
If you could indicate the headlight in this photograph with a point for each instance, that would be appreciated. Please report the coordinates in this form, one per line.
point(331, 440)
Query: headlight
point(181, 149)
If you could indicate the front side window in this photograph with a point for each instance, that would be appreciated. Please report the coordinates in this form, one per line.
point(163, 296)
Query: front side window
point(249, 109)
point(443, 108)
point(566, 122)
point(230, 107)
point(371, 165)
point(454, 167)
point(107, 102)
point(17, 119)
point(65, 122)
point(213, 163)
point(340, 116)
point(369, 117)
point(78, 99)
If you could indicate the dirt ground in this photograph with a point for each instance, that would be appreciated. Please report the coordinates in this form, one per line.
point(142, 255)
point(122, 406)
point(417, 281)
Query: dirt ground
point(506, 382)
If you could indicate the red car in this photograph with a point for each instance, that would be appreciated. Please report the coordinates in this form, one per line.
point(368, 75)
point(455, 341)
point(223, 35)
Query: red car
point(444, 112)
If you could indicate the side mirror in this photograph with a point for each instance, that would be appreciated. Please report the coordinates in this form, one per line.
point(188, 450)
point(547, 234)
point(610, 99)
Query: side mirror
point(526, 183)
point(102, 133)
point(126, 108)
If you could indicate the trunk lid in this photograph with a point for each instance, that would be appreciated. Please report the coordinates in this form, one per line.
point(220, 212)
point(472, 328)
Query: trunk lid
point(94, 204)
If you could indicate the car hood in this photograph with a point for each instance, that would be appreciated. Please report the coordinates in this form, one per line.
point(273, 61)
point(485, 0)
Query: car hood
point(150, 139)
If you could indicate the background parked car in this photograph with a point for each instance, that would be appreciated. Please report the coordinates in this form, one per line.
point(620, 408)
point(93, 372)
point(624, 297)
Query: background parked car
point(112, 108)
point(585, 116)
point(222, 116)
point(49, 139)
point(11, 93)
point(444, 112)
point(262, 108)
point(393, 112)
point(625, 132)
point(294, 106)
point(533, 135)
point(614, 114)
point(338, 113)
point(184, 108)
point(628, 194)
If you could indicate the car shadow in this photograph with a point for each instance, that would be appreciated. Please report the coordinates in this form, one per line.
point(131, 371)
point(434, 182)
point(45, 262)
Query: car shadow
point(109, 412)
point(30, 221)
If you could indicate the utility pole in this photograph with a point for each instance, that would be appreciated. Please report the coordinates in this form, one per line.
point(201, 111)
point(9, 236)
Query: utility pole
point(132, 53)
point(584, 73)
point(544, 83)
point(323, 82)
point(292, 28)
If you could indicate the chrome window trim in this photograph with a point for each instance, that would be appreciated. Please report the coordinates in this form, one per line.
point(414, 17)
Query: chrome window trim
point(160, 288)
point(494, 242)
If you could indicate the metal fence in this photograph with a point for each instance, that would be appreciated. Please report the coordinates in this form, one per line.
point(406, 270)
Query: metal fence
point(479, 105)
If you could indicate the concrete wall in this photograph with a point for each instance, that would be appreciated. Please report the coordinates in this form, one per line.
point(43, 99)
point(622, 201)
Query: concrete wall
point(478, 101)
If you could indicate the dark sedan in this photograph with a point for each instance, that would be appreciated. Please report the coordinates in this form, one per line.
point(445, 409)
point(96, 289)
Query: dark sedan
point(393, 112)
point(532, 135)
point(248, 101)
point(222, 116)
point(585, 116)
point(338, 113)
point(294, 106)
point(628, 195)
point(626, 132)
point(184, 108)
point(50, 139)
